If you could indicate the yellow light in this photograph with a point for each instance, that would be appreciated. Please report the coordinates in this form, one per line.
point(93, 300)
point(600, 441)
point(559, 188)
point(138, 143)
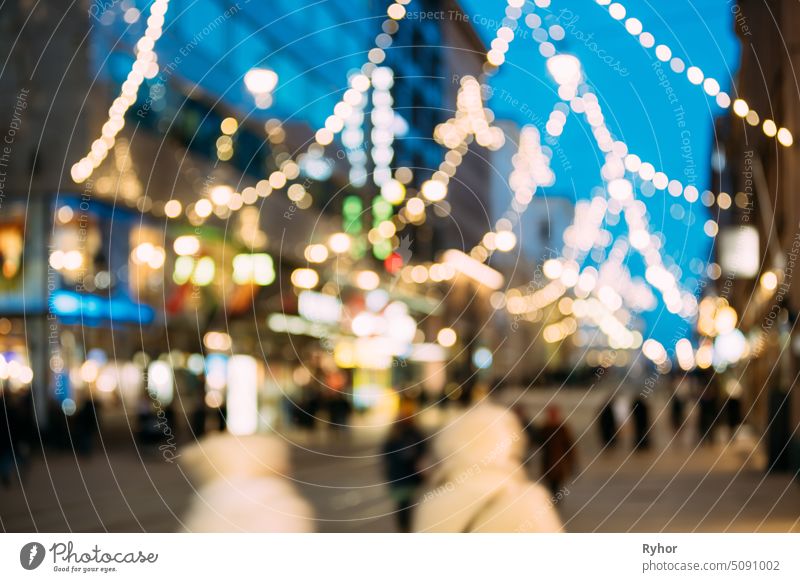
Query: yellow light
point(415, 206)
point(344, 354)
point(277, 180)
point(186, 245)
point(65, 214)
point(229, 126)
point(257, 269)
point(305, 278)
point(434, 190)
point(654, 351)
point(204, 272)
point(184, 267)
point(769, 281)
point(217, 340)
point(552, 269)
point(473, 269)
point(203, 208)
point(505, 240)
point(173, 209)
point(339, 243)
point(324, 136)
point(143, 253)
point(565, 305)
point(769, 127)
point(221, 195)
point(725, 320)
point(393, 191)
point(89, 371)
point(446, 337)
point(685, 354)
point(396, 11)
point(741, 108)
point(73, 260)
point(316, 253)
point(552, 333)
point(367, 280)
point(387, 229)
point(785, 137)
point(57, 260)
point(419, 274)
point(704, 356)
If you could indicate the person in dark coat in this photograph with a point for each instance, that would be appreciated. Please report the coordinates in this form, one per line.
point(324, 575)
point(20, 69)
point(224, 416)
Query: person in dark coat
point(22, 423)
point(86, 426)
point(608, 425)
point(641, 424)
point(558, 450)
point(6, 443)
point(402, 455)
point(676, 413)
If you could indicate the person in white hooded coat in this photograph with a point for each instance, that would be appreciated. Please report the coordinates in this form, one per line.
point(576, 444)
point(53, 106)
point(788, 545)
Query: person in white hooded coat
point(242, 485)
point(479, 483)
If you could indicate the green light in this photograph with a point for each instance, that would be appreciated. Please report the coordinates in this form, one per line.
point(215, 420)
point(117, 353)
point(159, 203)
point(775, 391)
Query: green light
point(381, 210)
point(382, 249)
point(352, 207)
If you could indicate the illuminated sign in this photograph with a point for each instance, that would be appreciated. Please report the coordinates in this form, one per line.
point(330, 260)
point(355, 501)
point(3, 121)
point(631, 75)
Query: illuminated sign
point(69, 305)
point(319, 308)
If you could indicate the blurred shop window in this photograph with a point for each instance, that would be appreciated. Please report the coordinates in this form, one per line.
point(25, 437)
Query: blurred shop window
point(11, 247)
point(146, 264)
point(76, 251)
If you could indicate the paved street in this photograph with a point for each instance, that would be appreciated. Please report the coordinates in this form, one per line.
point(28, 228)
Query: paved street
point(675, 487)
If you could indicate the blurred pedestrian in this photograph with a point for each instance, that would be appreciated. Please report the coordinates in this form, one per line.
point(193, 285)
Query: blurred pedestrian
point(641, 424)
point(310, 404)
point(707, 404)
point(479, 484)
point(339, 409)
point(558, 450)
point(708, 415)
point(87, 424)
point(145, 422)
point(6, 442)
point(607, 423)
point(242, 484)
point(22, 423)
point(402, 456)
point(676, 415)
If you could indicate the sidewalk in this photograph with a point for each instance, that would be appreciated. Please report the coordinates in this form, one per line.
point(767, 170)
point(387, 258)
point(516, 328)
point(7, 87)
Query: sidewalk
point(675, 487)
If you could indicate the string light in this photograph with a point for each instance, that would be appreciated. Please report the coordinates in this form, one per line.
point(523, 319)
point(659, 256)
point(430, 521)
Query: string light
point(145, 66)
point(695, 75)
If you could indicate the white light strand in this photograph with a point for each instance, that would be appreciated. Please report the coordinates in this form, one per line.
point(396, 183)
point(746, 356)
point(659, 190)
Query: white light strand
point(145, 66)
point(353, 134)
point(694, 74)
point(382, 117)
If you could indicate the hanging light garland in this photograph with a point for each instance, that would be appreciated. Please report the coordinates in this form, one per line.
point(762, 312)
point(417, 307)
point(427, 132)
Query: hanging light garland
point(145, 66)
point(695, 75)
point(566, 71)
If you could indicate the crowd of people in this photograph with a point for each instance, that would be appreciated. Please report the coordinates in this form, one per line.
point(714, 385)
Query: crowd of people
point(489, 469)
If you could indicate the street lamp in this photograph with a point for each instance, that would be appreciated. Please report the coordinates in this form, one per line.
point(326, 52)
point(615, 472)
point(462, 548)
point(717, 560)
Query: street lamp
point(261, 83)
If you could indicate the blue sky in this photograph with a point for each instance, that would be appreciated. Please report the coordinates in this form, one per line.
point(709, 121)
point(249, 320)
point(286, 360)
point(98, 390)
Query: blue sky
point(662, 117)
point(658, 113)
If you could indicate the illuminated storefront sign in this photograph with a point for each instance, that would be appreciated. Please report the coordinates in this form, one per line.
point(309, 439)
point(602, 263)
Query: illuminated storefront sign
point(69, 305)
point(319, 308)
